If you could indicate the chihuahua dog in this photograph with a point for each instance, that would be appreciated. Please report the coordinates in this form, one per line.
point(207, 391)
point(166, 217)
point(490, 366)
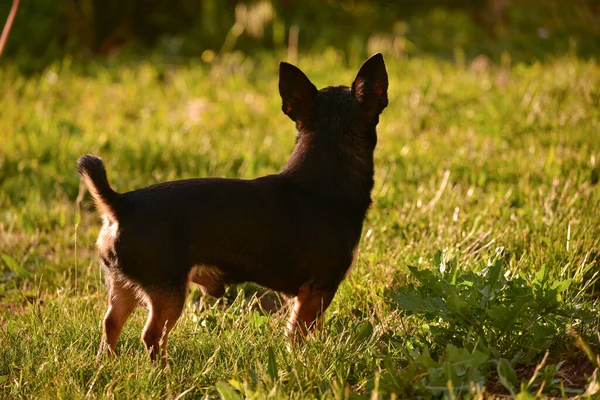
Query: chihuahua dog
point(295, 232)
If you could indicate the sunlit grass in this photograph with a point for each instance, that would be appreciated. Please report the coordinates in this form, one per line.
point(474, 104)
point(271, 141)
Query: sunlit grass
point(468, 160)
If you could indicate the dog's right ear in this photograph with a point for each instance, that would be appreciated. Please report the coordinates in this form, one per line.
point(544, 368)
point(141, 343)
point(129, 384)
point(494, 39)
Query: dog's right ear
point(297, 92)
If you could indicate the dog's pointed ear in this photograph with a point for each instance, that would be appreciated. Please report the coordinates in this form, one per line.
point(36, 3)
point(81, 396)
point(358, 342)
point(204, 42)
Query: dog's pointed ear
point(371, 85)
point(297, 92)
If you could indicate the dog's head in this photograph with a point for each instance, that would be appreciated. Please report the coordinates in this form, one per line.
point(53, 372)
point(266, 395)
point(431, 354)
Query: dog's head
point(337, 113)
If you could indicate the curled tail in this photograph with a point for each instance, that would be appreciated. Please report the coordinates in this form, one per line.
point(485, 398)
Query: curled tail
point(93, 174)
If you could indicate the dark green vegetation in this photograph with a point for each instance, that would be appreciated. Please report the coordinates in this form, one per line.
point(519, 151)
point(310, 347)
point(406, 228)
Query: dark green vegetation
point(181, 30)
point(479, 259)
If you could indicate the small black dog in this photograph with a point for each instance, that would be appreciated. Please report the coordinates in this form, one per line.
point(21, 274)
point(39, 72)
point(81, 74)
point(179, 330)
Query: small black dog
point(295, 232)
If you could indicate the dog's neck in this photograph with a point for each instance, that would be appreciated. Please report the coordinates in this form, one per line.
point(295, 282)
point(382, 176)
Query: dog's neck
point(338, 171)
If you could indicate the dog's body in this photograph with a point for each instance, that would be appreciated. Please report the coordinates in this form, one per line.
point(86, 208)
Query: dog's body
point(295, 232)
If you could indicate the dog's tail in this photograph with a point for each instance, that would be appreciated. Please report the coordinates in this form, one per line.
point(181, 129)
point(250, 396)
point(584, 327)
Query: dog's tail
point(91, 169)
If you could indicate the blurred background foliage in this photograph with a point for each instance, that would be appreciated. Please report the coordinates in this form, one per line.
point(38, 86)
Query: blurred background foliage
point(179, 30)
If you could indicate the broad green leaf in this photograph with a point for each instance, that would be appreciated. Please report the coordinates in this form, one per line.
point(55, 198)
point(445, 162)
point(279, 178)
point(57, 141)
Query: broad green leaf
point(425, 359)
point(438, 261)
point(541, 277)
point(236, 384)
point(391, 369)
point(415, 303)
point(258, 320)
point(561, 286)
point(15, 267)
point(227, 391)
point(272, 365)
point(494, 272)
point(453, 271)
point(507, 375)
point(525, 395)
point(364, 330)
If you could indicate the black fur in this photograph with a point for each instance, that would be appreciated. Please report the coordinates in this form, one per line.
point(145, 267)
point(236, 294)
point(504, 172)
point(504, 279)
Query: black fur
point(298, 227)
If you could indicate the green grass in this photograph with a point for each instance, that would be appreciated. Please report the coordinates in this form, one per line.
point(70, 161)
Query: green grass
point(469, 161)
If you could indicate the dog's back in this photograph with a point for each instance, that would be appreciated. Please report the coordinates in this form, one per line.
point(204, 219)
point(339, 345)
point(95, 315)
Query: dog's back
point(269, 231)
point(294, 232)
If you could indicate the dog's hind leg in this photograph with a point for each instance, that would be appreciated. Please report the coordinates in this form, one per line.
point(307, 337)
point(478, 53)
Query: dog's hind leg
point(122, 300)
point(309, 306)
point(165, 309)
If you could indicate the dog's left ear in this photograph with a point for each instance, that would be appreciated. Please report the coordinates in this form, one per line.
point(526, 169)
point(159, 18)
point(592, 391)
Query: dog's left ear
point(371, 85)
point(297, 92)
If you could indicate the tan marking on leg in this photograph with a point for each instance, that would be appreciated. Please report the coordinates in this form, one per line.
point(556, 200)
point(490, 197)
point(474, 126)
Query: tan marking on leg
point(165, 310)
point(209, 278)
point(309, 306)
point(122, 300)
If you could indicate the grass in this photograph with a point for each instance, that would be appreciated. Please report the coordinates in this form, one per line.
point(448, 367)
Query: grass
point(475, 163)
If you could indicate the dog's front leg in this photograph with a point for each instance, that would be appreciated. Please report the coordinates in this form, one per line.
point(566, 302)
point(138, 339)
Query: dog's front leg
point(309, 306)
